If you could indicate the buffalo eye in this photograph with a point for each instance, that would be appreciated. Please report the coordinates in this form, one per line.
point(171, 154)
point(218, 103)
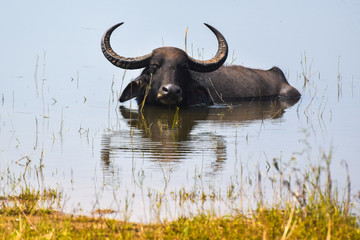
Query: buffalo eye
point(153, 67)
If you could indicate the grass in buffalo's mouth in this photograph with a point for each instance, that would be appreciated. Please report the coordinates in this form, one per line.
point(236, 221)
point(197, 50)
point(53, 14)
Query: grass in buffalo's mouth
point(312, 210)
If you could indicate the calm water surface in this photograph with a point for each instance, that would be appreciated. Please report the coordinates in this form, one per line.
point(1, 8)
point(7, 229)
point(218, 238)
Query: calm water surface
point(59, 107)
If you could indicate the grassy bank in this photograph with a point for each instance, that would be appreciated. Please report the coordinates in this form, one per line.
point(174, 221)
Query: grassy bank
point(316, 222)
point(313, 210)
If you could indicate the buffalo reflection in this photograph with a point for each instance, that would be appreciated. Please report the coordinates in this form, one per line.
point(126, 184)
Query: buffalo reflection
point(164, 134)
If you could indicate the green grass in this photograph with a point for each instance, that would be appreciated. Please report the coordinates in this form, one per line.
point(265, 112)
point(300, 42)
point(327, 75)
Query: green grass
point(315, 211)
point(264, 223)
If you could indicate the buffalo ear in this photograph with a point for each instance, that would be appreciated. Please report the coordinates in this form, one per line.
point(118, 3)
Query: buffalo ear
point(132, 90)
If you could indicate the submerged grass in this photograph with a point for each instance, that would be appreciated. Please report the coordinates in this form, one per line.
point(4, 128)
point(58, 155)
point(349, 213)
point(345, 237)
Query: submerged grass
point(312, 211)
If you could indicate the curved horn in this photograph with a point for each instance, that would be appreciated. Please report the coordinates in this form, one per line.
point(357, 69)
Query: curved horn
point(119, 61)
point(215, 62)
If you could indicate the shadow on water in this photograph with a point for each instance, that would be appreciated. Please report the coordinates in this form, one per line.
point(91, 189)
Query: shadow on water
point(166, 134)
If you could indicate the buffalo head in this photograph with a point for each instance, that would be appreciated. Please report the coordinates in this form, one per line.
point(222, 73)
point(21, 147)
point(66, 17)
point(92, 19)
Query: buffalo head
point(166, 78)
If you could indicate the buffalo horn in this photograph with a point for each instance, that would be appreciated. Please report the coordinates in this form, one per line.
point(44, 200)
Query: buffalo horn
point(215, 62)
point(119, 61)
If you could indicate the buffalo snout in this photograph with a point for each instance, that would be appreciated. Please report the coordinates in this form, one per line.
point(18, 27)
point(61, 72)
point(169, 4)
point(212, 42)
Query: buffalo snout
point(170, 94)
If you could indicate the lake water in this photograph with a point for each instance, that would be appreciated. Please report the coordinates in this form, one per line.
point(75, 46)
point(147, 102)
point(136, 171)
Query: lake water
point(61, 123)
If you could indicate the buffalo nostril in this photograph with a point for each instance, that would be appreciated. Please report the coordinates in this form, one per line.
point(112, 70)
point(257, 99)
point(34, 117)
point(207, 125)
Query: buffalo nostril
point(165, 89)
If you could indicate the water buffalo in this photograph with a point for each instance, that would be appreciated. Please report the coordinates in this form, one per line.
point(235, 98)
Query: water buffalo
point(171, 77)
